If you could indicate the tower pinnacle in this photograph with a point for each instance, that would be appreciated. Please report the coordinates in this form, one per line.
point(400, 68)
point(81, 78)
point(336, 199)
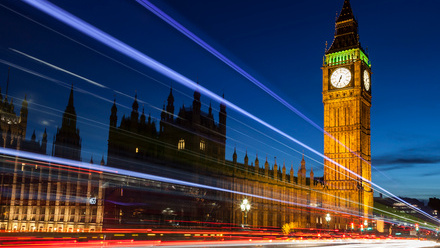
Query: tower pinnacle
point(346, 33)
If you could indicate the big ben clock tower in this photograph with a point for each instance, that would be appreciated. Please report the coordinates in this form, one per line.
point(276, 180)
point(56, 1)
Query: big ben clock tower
point(347, 102)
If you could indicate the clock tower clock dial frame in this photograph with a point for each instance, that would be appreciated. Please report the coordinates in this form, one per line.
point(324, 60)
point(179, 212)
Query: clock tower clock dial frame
point(347, 137)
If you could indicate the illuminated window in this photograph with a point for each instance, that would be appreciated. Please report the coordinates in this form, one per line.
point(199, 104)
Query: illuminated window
point(137, 149)
point(202, 145)
point(181, 144)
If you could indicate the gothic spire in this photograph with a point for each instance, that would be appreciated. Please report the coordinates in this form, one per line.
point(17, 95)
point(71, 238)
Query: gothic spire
point(113, 116)
point(170, 105)
point(69, 116)
point(135, 105)
point(257, 162)
point(346, 33)
point(246, 159)
point(303, 163)
point(143, 116)
point(102, 161)
point(170, 96)
point(45, 135)
point(70, 103)
point(114, 108)
point(33, 136)
point(346, 12)
point(234, 156)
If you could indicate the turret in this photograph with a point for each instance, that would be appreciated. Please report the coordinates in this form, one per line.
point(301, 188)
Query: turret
point(33, 137)
point(311, 177)
point(246, 159)
point(162, 120)
point(302, 172)
point(222, 117)
point(44, 142)
point(67, 142)
point(234, 157)
point(142, 120)
point(257, 164)
point(275, 169)
point(69, 116)
point(113, 116)
point(197, 105)
point(170, 106)
point(210, 111)
point(134, 111)
point(283, 177)
point(102, 161)
point(266, 168)
point(292, 174)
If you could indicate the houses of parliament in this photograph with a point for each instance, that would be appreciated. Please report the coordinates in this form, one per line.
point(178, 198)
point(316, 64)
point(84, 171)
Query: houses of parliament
point(189, 144)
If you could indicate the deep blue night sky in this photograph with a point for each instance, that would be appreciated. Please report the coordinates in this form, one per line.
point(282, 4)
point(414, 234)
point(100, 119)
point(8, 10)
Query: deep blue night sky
point(281, 43)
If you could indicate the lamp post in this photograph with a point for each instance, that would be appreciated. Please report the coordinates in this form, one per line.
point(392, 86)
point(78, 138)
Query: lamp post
point(245, 207)
point(328, 219)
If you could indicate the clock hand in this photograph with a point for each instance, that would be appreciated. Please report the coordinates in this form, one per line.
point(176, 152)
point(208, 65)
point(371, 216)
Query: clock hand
point(340, 79)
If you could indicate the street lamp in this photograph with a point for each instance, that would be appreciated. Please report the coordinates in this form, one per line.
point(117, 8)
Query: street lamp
point(245, 207)
point(328, 219)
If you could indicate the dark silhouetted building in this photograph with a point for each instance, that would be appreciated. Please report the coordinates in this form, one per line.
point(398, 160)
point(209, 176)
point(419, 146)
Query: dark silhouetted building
point(67, 142)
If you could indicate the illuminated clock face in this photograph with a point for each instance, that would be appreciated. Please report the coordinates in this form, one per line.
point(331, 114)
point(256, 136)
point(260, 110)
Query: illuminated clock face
point(367, 80)
point(340, 77)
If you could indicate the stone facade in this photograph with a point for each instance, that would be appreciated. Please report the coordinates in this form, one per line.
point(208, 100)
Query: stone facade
point(40, 196)
point(347, 140)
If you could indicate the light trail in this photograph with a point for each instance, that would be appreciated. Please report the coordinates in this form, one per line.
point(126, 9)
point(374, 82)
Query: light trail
point(121, 172)
point(131, 52)
point(141, 101)
point(89, 166)
point(58, 68)
point(153, 79)
point(162, 15)
point(88, 121)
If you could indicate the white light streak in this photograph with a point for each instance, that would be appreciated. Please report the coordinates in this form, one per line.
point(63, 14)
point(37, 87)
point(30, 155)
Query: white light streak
point(58, 68)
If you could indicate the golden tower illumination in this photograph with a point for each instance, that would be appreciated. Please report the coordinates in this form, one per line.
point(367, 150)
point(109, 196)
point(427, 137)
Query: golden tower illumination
point(347, 101)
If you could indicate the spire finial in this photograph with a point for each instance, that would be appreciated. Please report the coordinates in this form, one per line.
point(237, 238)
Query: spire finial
point(71, 96)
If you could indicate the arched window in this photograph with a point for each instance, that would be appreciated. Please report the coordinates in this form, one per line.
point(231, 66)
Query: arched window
point(202, 145)
point(181, 144)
